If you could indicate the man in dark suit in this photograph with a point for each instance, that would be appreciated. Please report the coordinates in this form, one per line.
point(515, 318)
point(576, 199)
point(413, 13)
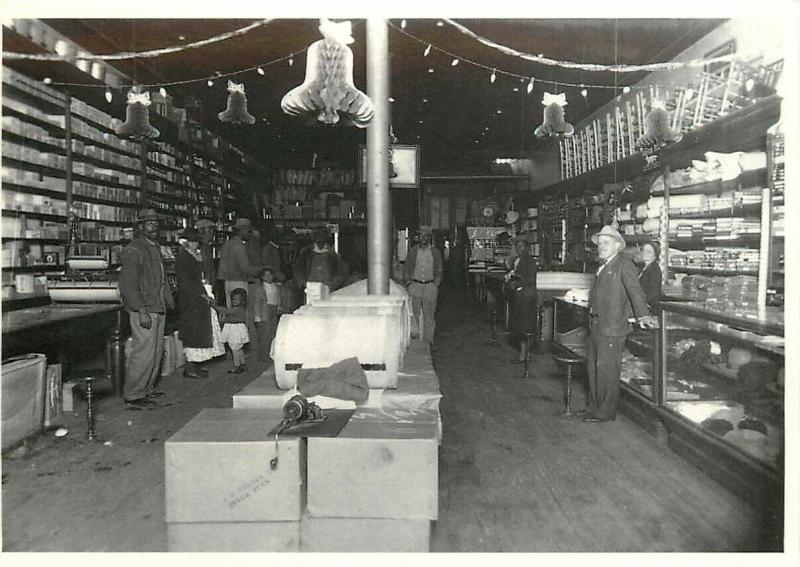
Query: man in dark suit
point(615, 297)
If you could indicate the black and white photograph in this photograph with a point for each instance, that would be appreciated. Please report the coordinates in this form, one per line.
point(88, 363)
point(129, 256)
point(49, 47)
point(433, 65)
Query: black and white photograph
point(391, 283)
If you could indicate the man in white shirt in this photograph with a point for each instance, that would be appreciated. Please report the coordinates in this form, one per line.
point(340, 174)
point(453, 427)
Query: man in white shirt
point(423, 274)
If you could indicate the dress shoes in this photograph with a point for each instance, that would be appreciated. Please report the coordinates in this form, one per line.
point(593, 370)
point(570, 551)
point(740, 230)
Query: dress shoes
point(594, 419)
point(155, 394)
point(140, 404)
point(193, 374)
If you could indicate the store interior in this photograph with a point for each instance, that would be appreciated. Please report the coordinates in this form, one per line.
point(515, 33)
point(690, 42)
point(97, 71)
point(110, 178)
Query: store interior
point(669, 133)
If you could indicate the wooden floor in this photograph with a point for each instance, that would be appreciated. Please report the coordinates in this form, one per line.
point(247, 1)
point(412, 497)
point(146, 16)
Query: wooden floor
point(515, 475)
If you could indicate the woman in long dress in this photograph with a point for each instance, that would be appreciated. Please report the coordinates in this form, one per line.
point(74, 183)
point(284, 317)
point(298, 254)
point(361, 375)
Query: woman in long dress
point(198, 325)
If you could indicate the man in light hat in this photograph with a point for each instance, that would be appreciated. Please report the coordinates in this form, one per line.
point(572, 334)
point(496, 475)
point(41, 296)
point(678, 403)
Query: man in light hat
point(616, 296)
point(423, 274)
point(235, 267)
point(146, 297)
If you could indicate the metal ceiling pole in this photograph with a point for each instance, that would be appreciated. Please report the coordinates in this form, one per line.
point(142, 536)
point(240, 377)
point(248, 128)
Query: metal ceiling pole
point(379, 207)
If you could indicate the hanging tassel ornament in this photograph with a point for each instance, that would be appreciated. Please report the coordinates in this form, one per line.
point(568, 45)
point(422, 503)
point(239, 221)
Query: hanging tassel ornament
point(328, 89)
point(236, 113)
point(657, 129)
point(554, 123)
point(137, 118)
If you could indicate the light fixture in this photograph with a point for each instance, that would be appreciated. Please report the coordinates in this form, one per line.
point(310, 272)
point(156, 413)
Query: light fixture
point(493, 78)
point(391, 99)
point(427, 51)
point(540, 55)
point(420, 121)
point(515, 89)
point(425, 100)
point(163, 92)
point(749, 85)
point(454, 63)
point(47, 80)
point(181, 38)
point(291, 59)
point(260, 71)
point(584, 93)
point(430, 69)
point(109, 96)
point(626, 90)
point(440, 23)
point(403, 24)
point(530, 86)
point(210, 83)
point(499, 112)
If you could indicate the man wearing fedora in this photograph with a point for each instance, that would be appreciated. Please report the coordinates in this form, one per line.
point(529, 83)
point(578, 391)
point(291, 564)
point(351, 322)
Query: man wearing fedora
point(423, 274)
point(146, 297)
point(616, 296)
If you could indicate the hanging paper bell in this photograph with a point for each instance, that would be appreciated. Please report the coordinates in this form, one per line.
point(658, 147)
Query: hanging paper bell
point(328, 90)
point(554, 123)
point(236, 113)
point(137, 118)
point(657, 129)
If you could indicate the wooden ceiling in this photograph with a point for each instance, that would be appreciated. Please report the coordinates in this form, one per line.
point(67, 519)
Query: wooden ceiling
point(461, 101)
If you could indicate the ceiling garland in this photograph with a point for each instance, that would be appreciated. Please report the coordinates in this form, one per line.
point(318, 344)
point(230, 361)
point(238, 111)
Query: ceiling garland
point(132, 54)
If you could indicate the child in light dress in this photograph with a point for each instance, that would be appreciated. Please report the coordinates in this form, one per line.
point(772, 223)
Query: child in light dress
point(234, 330)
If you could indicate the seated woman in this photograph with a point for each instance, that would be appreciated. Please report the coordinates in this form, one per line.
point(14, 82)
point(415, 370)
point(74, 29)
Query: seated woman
point(650, 276)
point(521, 285)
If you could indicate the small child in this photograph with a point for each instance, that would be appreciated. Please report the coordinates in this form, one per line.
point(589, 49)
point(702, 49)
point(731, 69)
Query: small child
point(266, 312)
point(234, 331)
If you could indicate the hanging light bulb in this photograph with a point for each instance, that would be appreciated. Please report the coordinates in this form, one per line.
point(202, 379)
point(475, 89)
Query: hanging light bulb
point(391, 99)
point(584, 93)
point(530, 86)
point(403, 24)
point(454, 63)
point(260, 71)
point(163, 92)
point(440, 23)
point(749, 84)
point(47, 80)
point(430, 69)
point(427, 51)
point(626, 90)
point(109, 96)
point(291, 59)
point(493, 78)
point(210, 83)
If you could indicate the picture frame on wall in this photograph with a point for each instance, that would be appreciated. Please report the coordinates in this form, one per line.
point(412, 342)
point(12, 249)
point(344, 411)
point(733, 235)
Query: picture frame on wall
point(405, 165)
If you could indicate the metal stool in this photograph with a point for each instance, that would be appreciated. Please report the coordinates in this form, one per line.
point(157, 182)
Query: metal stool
point(571, 360)
point(89, 380)
point(528, 336)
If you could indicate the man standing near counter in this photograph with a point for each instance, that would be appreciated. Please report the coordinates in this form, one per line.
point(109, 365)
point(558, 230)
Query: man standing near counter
point(146, 297)
point(423, 274)
point(615, 297)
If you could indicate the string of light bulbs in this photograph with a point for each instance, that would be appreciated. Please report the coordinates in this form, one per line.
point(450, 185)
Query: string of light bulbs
point(495, 71)
point(135, 55)
point(209, 79)
point(616, 68)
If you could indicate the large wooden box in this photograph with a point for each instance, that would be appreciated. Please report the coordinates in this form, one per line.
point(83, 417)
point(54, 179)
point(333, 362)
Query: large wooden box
point(351, 535)
point(254, 537)
point(22, 397)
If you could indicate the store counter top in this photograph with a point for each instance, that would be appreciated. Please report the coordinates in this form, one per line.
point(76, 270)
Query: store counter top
point(24, 319)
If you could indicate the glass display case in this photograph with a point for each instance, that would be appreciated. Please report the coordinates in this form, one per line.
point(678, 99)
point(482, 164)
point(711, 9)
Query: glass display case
point(723, 377)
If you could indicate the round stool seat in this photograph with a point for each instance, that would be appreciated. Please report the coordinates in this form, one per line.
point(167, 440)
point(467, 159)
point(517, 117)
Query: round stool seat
point(569, 359)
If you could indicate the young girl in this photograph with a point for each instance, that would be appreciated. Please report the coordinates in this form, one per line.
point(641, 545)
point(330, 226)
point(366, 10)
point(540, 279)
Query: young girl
point(234, 331)
point(266, 312)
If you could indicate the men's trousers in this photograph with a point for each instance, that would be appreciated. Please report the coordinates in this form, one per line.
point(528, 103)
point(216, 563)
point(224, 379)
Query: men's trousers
point(604, 365)
point(423, 298)
point(147, 347)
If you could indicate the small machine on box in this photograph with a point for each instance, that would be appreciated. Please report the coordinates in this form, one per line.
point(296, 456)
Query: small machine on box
point(87, 279)
point(296, 411)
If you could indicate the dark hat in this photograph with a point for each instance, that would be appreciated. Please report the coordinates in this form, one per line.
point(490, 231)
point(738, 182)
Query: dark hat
point(190, 234)
point(147, 215)
point(243, 223)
